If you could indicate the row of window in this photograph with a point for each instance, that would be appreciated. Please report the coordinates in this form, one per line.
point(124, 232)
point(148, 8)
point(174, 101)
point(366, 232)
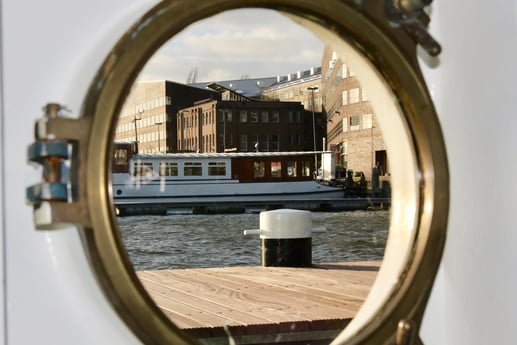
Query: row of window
point(254, 116)
point(145, 169)
point(353, 96)
point(140, 108)
point(259, 143)
point(357, 122)
point(148, 121)
point(189, 119)
point(259, 169)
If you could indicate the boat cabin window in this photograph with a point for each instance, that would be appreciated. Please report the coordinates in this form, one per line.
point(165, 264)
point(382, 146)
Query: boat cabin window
point(217, 168)
point(121, 157)
point(259, 169)
point(192, 169)
point(291, 169)
point(276, 169)
point(168, 169)
point(306, 168)
point(143, 169)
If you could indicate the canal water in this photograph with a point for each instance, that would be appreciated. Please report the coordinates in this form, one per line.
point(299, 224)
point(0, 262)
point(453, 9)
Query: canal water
point(194, 241)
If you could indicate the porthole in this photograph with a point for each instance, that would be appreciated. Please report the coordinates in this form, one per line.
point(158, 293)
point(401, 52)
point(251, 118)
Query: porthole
point(382, 49)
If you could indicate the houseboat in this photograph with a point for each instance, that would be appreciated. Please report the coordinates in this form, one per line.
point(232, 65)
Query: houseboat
point(231, 177)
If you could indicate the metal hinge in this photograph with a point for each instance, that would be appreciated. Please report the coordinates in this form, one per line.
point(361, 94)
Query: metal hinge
point(410, 15)
point(54, 196)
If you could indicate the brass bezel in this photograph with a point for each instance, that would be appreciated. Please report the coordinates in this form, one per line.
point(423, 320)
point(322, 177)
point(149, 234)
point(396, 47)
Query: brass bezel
point(365, 27)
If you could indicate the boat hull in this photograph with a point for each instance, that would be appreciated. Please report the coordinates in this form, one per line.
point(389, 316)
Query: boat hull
point(220, 191)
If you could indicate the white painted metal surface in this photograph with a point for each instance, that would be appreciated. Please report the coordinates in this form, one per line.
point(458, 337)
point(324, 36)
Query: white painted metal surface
point(474, 84)
point(50, 52)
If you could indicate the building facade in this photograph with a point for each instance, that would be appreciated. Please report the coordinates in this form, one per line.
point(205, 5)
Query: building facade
point(149, 114)
point(302, 86)
point(244, 125)
point(351, 122)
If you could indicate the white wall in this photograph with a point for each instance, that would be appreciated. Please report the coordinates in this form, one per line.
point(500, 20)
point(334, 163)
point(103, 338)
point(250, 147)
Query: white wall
point(475, 87)
point(51, 51)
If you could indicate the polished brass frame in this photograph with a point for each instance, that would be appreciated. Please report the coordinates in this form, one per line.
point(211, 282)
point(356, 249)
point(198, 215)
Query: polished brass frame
point(363, 25)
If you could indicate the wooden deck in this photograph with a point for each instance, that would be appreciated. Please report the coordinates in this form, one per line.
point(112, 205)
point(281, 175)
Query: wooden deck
point(254, 303)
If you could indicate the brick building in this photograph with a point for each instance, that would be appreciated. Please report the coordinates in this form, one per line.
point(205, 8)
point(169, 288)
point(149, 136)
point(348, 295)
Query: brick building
point(165, 116)
point(244, 125)
point(149, 113)
point(351, 124)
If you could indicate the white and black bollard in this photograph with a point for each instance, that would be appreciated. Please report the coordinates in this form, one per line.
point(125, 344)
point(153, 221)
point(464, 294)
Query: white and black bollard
point(286, 236)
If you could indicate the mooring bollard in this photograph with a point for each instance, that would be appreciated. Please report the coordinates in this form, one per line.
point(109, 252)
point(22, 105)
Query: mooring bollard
point(286, 236)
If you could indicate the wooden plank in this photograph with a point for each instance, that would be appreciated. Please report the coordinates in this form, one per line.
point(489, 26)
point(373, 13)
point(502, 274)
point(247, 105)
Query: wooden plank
point(261, 299)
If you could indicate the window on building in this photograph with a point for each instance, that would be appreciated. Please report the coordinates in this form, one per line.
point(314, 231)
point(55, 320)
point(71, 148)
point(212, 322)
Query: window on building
point(253, 116)
point(364, 96)
point(354, 95)
point(228, 116)
point(276, 169)
point(244, 116)
point(367, 121)
point(291, 169)
point(298, 117)
point(344, 71)
point(244, 142)
point(275, 117)
point(217, 168)
point(265, 117)
point(290, 116)
point(264, 142)
point(344, 97)
point(275, 143)
point(192, 169)
point(168, 100)
point(354, 122)
point(168, 169)
point(253, 142)
point(306, 168)
point(344, 153)
point(259, 169)
point(229, 136)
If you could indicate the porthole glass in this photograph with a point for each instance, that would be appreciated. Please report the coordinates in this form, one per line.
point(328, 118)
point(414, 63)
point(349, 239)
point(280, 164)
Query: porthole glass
point(384, 60)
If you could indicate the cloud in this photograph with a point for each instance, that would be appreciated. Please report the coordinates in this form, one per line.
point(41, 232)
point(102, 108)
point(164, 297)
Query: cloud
point(254, 42)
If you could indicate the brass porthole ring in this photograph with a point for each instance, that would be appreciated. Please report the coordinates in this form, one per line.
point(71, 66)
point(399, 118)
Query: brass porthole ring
point(365, 27)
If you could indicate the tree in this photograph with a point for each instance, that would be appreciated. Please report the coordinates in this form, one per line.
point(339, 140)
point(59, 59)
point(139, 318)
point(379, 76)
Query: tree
point(192, 76)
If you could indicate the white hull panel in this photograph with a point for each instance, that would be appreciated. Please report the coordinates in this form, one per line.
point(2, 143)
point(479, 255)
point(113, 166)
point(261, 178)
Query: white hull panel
point(206, 191)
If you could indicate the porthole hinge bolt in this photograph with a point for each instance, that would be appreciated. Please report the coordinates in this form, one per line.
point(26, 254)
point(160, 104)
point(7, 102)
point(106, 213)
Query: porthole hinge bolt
point(407, 333)
point(54, 156)
point(410, 16)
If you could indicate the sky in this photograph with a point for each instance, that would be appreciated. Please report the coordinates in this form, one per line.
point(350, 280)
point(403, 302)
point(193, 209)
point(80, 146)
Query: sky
point(255, 43)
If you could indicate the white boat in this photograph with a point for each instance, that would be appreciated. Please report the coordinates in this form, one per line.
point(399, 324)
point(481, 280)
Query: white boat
point(236, 177)
point(51, 292)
